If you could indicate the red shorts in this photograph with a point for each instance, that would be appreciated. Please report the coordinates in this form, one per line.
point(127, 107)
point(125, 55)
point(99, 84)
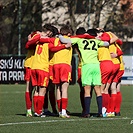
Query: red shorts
point(106, 68)
point(39, 77)
point(119, 75)
point(27, 74)
point(113, 77)
point(61, 73)
point(79, 75)
point(51, 72)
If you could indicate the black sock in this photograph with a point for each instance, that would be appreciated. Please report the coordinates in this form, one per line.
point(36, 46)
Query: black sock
point(87, 105)
point(99, 104)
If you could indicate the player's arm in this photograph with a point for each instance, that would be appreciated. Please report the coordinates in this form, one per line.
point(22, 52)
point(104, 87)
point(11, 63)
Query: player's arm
point(33, 41)
point(114, 38)
point(47, 40)
point(53, 48)
point(119, 41)
point(105, 37)
point(72, 41)
point(103, 43)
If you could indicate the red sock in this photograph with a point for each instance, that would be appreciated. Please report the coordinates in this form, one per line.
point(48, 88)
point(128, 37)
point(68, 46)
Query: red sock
point(118, 102)
point(105, 100)
point(28, 100)
point(59, 105)
point(40, 103)
point(35, 99)
point(64, 103)
point(109, 104)
point(113, 102)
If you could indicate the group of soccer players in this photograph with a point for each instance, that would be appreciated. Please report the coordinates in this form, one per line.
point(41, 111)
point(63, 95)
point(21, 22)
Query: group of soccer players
point(48, 67)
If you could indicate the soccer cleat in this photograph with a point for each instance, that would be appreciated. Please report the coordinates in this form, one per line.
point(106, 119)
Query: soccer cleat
point(86, 116)
point(68, 112)
point(117, 114)
point(47, 113)
point(111, 114)
point(64, 116)
point(39, 115)
point(104, 115)
point(103, 110)
point(29, 113)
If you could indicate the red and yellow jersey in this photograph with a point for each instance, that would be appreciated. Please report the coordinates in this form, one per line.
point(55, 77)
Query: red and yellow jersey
point(62, 56)
point(121, 59)
point(103, 54)
point(113, 49)
point(29, 58)
point(51, 58)
point(41, 58)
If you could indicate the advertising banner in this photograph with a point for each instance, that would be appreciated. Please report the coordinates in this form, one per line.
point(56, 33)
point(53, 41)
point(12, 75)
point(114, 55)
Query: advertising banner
point(127, 78)
point(11, 69)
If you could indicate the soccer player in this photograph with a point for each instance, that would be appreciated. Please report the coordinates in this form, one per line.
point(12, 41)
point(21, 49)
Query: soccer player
point(119, 76)
point(80, 31)
point(62, 73)
point(90, 68)
point(114, 79)
point(51, 86)
point(27, 77)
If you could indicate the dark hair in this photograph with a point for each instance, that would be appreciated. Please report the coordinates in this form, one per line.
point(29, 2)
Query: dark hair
point(80, 31)
point(55, 31)
point(65, 30)
point(93, 32)
point(47, 27)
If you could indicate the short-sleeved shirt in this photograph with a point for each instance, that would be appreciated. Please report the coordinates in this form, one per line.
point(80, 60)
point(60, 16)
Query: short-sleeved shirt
point(88, 49)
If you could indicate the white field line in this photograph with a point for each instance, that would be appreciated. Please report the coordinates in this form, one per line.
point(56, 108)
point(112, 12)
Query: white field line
point(64, 120)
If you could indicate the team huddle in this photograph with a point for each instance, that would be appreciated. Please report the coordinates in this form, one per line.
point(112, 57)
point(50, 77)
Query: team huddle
point(48, 70)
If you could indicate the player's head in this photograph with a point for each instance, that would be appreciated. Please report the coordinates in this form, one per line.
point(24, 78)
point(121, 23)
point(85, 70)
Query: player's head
point(55, 31)
point(92, 32)
point(100, 30)
point(66, 30)
point(48, 30)
point(80, 31)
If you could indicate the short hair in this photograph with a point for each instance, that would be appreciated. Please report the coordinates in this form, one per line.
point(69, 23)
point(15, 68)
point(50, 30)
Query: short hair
point(65, 30)
point(93, 32)
point(80, 31)
point(55, 31)
point(47, 27)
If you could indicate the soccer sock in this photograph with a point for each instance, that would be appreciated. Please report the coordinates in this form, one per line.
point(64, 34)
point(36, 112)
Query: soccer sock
point(28, 100)
point(82, 100)
point(52, 101)
point(64, 103)
point(113, 102)
point(87, 105)
point(103, 99)
point(45, 105)
point(40, 103)
point(59, 105)
point(106, 100)
point(99, 104)
point(35, 99)
point(118, 102)
point(109, 104)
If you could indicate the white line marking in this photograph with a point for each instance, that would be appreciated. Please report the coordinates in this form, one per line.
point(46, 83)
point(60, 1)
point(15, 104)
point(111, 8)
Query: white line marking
point(65, 120)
